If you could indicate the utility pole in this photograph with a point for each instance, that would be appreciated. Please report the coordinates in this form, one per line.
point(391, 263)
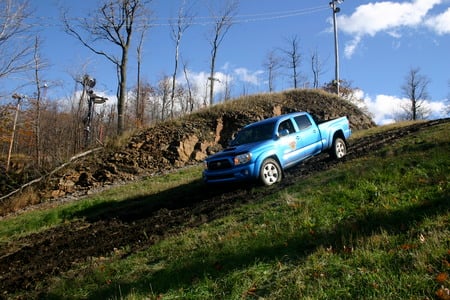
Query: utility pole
point(211, 93)
point(336, 9)
point(11, 142)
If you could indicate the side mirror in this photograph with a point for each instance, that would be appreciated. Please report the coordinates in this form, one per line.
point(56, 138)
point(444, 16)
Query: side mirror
point(283, 132)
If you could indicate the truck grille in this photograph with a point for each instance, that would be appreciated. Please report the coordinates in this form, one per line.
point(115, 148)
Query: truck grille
point(219, 164)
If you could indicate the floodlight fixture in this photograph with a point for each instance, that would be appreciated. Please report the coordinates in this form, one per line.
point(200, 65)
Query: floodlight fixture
point(213, 78)
point(89, 81)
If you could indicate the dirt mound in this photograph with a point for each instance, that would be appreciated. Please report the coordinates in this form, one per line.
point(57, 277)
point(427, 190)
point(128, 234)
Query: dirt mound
point(188, 140)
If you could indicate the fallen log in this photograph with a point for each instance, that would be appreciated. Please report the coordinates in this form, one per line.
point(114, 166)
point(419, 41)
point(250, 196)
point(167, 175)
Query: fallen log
point(34, 181)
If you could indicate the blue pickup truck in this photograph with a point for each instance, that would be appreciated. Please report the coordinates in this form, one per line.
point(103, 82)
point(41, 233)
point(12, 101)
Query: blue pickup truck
point(264, 149)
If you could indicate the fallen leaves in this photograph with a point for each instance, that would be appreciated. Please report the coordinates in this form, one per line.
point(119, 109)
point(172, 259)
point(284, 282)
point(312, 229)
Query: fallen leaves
point(442, 277)
point(443, 293)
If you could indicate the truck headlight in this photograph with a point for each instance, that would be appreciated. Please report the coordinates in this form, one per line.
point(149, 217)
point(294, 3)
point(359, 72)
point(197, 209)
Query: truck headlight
point(242, 158)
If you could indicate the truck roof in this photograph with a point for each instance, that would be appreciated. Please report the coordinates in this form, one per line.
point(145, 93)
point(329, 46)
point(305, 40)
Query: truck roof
point(276, 118)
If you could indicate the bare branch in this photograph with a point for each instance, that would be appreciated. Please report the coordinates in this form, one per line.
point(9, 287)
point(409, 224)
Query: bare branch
point(178, 29)
point(15, 46)
point(223, 22)
point(293, 58)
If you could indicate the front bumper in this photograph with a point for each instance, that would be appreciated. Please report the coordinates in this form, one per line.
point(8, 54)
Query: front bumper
point(241, 173)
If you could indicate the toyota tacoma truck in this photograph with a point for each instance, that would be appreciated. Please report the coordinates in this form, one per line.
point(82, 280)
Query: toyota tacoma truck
point(264, 149)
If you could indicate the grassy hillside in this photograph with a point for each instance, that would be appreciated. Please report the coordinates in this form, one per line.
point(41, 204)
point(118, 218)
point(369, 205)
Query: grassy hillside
point(373, 227)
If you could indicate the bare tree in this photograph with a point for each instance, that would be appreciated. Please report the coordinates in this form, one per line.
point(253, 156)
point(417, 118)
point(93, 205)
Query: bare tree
point(415, 89)
point(163, 93)
point(41, 88)
point(272, 63)
point(227, 81)
point(15, 46)
point(223, 20)
point(184, 20)
point(293, 58)
point(140, 102)
point(114, 22)
point(316, 67)
point(190, 97)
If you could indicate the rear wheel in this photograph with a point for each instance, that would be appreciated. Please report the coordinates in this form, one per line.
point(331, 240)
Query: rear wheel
point(339, 148)
point(270, 172)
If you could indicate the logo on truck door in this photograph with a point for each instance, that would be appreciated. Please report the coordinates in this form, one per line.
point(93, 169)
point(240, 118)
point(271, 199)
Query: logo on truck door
point(292, 144)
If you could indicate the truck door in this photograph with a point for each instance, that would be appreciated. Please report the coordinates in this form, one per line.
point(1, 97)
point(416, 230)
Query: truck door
point(309, 141)
point(287, 143)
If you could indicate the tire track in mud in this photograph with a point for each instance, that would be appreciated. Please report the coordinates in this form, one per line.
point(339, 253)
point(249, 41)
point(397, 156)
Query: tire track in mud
point(30, 261)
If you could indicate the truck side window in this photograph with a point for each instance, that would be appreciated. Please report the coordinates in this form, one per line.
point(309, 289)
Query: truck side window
point(286, 125)
point(303, 122)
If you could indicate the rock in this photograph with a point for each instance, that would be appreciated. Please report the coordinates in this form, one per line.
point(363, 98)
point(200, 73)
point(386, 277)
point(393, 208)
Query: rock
point(186, 148)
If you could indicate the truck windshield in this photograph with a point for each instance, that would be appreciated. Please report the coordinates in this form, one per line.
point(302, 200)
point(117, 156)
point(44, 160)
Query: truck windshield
point(253, 134)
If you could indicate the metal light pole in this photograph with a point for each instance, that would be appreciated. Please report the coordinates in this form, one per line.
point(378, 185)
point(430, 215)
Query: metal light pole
point(88, 85)
point(336, 9)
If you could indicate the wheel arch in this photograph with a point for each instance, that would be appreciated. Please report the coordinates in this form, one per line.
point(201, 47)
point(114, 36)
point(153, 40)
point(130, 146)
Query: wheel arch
point(332, 150)
point(261, 159)
point(266, 176)
point(339, 134)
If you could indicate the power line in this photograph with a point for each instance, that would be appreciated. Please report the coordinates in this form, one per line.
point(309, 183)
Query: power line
point(247, 18)
point(201, 20)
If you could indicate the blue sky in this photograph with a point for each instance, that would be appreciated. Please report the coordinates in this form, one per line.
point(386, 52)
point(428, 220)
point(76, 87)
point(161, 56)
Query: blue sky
point(379, 42)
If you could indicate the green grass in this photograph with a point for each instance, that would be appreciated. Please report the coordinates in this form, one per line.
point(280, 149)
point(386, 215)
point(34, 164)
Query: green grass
point(373, 228)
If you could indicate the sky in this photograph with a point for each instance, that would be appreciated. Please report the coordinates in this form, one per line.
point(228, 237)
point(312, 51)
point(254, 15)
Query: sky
point(379, 42)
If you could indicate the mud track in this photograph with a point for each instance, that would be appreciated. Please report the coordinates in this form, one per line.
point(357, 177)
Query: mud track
point(28, 263)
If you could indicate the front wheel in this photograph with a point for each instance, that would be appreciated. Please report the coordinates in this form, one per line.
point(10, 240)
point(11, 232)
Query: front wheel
point(270, 172)
point(339, 148)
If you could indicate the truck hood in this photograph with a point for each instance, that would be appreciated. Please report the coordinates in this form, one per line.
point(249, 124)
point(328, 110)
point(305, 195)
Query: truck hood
point(239, 149)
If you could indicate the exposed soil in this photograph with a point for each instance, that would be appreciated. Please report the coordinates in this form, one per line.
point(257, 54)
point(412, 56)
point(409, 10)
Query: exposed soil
point(28, 263)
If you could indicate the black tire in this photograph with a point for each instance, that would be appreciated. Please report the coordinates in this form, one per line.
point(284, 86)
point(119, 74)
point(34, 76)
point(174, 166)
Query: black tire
point(339, 148)
point(270, 172)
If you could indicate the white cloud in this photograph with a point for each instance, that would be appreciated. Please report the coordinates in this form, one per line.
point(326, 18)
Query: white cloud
point(440, 23)
point(388, 16)
point(248, 77)
point(351, 46)
point(385, 108)
point(223, 80)
point(200, 81)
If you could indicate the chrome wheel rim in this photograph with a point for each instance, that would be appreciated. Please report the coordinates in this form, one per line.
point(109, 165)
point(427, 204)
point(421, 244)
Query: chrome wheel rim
point(340, 149)
point(270, 174)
